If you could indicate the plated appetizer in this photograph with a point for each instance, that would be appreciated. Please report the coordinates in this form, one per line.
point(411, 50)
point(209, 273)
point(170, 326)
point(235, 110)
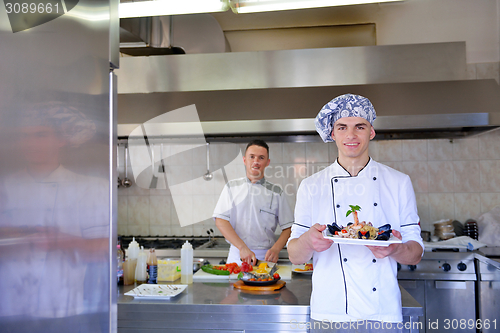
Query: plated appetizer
point(360, 230)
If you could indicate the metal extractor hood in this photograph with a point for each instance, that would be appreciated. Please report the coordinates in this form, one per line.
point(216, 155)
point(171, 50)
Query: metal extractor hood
point(418, 90)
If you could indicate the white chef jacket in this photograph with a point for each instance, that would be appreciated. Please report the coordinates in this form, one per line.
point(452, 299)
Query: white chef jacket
point(49, 284)
point(349, 283)
point(254, 211)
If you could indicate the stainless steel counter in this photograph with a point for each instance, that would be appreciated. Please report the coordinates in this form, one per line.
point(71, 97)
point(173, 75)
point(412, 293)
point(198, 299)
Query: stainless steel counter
point(218, 306)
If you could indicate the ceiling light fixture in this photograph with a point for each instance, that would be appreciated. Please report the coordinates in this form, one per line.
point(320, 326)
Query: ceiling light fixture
point(170, 7)
point(253, 6)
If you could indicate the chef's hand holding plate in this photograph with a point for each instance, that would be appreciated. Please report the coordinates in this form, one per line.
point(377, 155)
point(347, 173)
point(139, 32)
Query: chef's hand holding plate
point(384, 251)
point(313, 238)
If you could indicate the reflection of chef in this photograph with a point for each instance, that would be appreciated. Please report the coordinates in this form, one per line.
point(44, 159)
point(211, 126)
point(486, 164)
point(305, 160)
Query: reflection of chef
point(60, 216)
point(366, 286)
point(249, 210)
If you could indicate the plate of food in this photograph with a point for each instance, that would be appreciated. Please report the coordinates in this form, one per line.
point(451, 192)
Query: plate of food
point(372, 242)
point(303, 269)
point(360, 233)
point(261, 277)
point(157, 290)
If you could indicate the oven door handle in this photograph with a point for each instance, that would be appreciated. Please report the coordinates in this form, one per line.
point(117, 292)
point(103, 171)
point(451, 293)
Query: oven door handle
point(450, 284)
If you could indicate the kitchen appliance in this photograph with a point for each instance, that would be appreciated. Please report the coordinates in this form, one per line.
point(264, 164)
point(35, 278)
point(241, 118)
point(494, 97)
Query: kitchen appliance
point(58, 177)
point(444, 283)
point(488, 267)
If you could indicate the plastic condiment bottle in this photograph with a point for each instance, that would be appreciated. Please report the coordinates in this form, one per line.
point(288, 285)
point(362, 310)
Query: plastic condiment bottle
point(141, 268)
point(133, 249)
point(186, 263)
point(152, 267)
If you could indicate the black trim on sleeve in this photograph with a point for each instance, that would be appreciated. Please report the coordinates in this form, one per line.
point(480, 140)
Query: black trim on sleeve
point(407, 225)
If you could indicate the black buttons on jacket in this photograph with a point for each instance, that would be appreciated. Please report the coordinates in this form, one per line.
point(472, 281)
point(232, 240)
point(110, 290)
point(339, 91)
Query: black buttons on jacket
point(338, 206)
point(336, 180)
point(345, 259)
point(374, 260)
point(374, 289)
point(374, 178)
point(375, 204)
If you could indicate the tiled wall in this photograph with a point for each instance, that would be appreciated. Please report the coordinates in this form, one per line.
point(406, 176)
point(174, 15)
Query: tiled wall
point(456, 179)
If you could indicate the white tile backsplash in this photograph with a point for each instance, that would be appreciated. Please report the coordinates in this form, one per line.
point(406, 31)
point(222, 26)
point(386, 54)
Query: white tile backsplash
point(390, 150)
point(456, 179)
point(441, 177)
point(439, 150)
point(317, 152)
point(489, 145)
point(294, 152)
point(414, 150)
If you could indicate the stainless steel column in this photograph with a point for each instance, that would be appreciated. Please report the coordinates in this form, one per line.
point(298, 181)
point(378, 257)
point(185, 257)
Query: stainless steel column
point(56, 212)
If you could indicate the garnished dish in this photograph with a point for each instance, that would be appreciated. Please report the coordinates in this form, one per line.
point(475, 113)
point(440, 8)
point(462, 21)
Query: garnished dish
point(360, 231)
point(262, 276)
point(303, 269)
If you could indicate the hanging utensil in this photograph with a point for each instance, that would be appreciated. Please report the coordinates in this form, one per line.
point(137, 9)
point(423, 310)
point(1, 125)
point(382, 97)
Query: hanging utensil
point(162, 166)
point(208, 176)
point(126, 182)
point(118, 169)
point(154, 177)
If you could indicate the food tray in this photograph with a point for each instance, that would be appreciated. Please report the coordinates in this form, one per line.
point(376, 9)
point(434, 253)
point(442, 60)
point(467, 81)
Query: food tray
point(160, 291)
point(372, 242)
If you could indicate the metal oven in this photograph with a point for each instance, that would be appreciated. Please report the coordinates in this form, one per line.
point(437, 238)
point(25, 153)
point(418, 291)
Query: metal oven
point(444, 283)
point(489, 290)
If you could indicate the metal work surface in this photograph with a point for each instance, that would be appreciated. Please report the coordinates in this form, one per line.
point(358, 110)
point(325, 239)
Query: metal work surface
point(220, 307)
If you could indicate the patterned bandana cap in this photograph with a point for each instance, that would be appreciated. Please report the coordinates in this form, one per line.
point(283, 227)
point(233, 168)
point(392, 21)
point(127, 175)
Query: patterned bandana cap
point(347, 105)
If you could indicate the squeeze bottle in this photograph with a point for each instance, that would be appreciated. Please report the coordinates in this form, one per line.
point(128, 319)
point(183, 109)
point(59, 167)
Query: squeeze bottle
point(133, 249)
point(141, 268)
point(186, 263)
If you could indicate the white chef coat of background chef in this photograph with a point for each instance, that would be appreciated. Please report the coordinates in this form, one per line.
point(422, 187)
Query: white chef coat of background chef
point(254, 211)
point(385, 196)
point(50, 283)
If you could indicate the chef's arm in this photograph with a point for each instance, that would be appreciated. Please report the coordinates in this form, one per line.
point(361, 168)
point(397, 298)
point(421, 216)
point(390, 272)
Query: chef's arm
point(227, 230)
point(408, 253)
point(301, 250)
point(273, 253)
point(283, 238)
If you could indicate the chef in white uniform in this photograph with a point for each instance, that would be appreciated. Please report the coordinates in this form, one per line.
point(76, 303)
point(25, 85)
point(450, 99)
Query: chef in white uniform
point(352, 283)
point(250, 209)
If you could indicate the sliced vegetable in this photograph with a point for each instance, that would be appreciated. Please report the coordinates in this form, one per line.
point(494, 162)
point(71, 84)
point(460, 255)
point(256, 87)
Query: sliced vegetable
point(211, 270)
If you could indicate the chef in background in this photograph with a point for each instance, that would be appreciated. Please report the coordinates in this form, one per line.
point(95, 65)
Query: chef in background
point(354, 283)
point(61, 229)
point(250, 209)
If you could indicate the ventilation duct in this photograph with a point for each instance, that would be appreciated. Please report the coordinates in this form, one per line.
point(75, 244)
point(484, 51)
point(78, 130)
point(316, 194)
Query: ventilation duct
point(165, 35)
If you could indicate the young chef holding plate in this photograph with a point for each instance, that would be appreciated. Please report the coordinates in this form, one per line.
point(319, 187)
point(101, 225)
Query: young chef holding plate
point(353, 283)
point(249, 210)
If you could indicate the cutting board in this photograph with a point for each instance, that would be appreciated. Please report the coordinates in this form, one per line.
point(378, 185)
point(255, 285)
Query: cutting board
point(285, 272)
point(277, 286)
